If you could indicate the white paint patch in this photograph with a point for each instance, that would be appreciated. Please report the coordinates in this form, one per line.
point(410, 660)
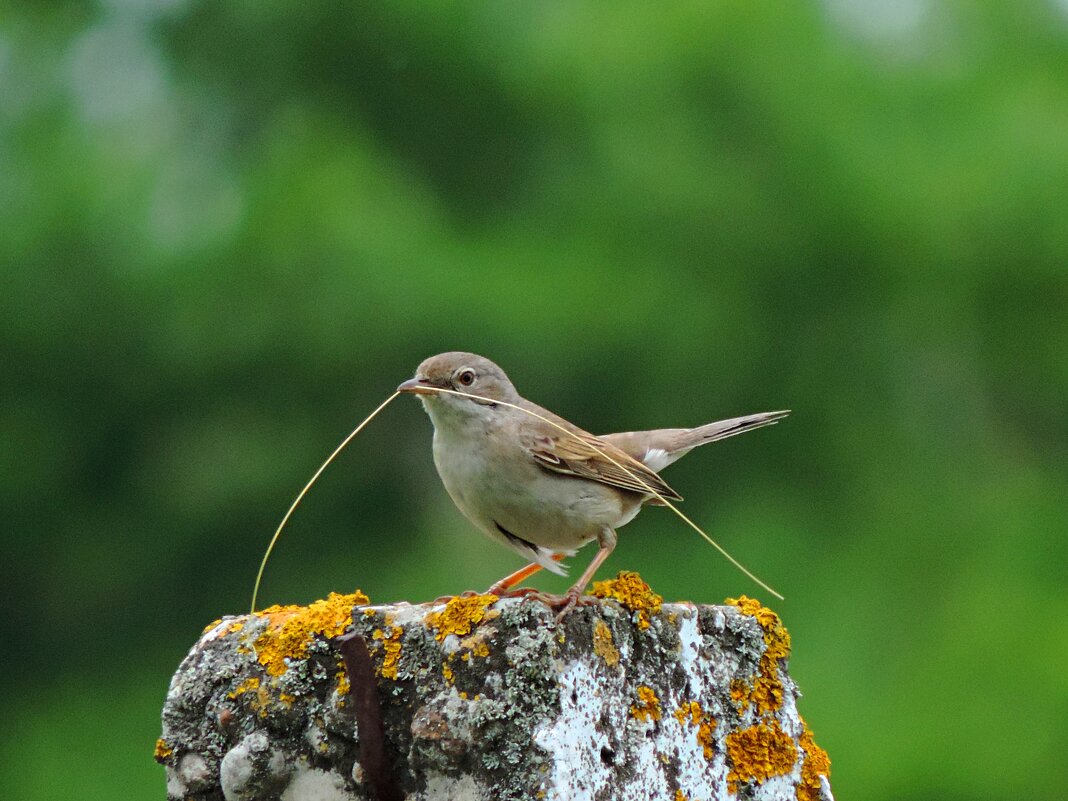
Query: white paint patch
point(690, 648)
point(217, 631)
point(698, 777)
point(778, 787)
point(573, 740)
point(312, 784)
point(402, 614)
point(649, 782)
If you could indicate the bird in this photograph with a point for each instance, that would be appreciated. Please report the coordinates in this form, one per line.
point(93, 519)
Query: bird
point(536, 483)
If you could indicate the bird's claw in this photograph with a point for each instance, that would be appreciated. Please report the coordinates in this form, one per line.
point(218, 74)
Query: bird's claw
point(520, 592)
point(569, 601)
point(566, 603)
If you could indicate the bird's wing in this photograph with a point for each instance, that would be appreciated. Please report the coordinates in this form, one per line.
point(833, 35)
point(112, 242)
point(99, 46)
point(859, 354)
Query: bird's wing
point(581, 454)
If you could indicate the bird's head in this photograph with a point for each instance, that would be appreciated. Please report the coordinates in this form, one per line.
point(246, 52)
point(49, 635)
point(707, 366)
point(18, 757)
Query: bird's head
point(460, 372)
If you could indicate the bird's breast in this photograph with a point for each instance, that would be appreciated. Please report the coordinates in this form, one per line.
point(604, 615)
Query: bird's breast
point(496, 483)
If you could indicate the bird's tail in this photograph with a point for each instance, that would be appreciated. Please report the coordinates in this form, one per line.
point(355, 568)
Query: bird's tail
point(671, 444)
point(657, 449)
point(721, 429)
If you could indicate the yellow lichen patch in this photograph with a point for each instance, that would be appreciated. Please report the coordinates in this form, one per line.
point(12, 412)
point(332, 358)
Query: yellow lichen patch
point(689, 713)
point(342, 687)
point(252, 683)
point(475, 645)
point(648, 706)
point(391, 647)
point(603, 644)
point(233, 628)
point(816, 763)
point(286, 699)
point(291, 629)
point(766, 689)
point(681, 796)
point(776, 637)
point(446, 671)
point(163, 751)
point(705, 724)
point(758, 753)
point(629, 589)
point(460, 615)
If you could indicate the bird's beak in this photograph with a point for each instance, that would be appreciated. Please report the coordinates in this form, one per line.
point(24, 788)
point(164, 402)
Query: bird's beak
point(417, 386)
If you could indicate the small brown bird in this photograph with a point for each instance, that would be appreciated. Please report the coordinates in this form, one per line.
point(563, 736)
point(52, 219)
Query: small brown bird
point(533, 481)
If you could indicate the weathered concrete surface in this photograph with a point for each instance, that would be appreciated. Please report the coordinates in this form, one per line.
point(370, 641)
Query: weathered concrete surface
point(490, 699)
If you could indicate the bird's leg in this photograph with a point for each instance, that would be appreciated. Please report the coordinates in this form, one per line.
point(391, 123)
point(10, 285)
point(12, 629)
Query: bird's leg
point(607, 540)
point(502, 588)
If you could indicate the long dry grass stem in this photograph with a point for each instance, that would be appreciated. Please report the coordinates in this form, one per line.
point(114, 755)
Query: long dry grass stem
point(303, 492)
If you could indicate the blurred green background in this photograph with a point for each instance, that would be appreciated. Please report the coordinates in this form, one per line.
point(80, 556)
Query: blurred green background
point(229, 230)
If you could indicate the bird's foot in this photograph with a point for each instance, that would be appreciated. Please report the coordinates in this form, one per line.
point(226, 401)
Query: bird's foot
point(521, 592)
point(570, 600)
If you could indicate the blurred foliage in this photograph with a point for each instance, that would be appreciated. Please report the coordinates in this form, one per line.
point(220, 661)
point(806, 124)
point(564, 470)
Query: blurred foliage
point(230, 229)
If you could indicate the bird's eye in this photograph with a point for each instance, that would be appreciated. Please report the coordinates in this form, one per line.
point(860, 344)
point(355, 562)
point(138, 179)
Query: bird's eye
point(466, 377)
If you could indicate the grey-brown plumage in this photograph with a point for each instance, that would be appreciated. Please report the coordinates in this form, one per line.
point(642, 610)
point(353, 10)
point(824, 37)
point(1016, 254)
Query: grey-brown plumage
point(535, 482)
point(659, 448)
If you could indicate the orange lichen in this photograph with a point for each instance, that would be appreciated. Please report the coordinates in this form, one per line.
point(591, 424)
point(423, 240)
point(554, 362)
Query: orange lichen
point(291, 629)
point(633, 593)
point(251, 683)
point(257, 694)
point(391, 648)
point(766, 689)
point(815, 764)
point(740, 692)
point(776, 637)
point(603, 645)
point(460, 615)
point(691, 713)
point(343, 687)
point(765, 750)
point(475, 645)
point(648, 706)
point(163, 751)
point(759, 753)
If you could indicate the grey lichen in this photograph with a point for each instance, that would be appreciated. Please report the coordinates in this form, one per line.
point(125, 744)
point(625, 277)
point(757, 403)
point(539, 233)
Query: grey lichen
point(492, 699)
